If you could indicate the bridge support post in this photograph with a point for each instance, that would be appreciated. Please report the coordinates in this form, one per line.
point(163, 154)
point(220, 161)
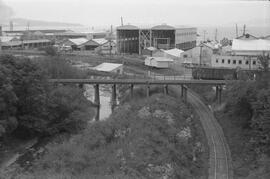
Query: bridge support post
point(131, 90)
point(97, 113)
point(97, 99)
point(218, 93)
point(113, 100)
point(148, 90)
point(166, 90)
point(184, 93)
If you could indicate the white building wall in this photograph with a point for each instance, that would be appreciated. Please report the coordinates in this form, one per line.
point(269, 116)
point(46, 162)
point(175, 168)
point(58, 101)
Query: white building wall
point(118, 70)
point(235, 61)
point(150, 61)
point(193, 55)
point(249, 53)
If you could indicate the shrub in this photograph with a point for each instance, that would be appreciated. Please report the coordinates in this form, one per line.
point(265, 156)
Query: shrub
point(130, 145)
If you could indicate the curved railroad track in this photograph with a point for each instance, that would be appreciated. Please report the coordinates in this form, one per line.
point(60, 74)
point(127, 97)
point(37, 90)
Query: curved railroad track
point(220, 166)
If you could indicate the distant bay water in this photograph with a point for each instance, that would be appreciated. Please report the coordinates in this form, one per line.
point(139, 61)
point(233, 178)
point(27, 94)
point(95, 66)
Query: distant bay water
point(222, 31)
point(230, 32)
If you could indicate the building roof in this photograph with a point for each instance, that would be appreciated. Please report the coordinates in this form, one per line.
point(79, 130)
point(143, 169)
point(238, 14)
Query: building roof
point(11, 43)
point(107, 67)
point(70, 33)
point(100, 41)
point(247, 37)
point(38, 33)
point(174, 52)
point(6, 38)
point(251, 45)
point(78, 41)
point(161, 59)
point(127, 27)
point(211, 45)
point(36, 41)
point(151, 48)
point(184, 27)
point(163, 27)
point(226, 49)
point(19, 42)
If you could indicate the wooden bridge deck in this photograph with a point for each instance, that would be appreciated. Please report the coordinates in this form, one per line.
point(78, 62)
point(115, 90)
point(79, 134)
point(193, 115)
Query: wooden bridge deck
point(138, 81)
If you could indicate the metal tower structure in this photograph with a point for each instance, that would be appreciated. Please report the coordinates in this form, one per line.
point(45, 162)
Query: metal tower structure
point(145, 39)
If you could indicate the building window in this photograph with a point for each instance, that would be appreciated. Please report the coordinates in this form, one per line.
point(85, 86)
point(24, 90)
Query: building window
point(234, 61)
point(185, 56)
point(240, 62)
point(229, 61)
point(254, 62)
point(247, 62)
point(217, 60)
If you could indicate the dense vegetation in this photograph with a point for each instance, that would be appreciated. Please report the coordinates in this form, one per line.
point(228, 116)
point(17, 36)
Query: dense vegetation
point(154, 138)
point(30, 106)
point(245, 119)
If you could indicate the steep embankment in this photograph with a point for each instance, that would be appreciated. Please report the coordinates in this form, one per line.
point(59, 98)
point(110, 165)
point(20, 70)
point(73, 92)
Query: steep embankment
point(219, 158)
point(155, 137)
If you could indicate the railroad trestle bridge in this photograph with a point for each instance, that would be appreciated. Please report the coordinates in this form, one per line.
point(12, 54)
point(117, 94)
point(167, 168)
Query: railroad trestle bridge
point(146, 82)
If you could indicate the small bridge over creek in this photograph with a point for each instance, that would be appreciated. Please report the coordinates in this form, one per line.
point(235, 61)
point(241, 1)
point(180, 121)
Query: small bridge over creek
point(146, 82)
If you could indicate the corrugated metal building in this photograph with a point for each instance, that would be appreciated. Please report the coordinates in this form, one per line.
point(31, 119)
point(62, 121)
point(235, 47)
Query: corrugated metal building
point(132, 39)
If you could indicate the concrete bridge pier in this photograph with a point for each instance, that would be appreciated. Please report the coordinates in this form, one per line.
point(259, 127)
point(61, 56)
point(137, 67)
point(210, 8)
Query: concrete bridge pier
point(218, 94)
point(131, 90)
point(113, 99)
point(184, 92)
point(97, 99)
point(166, 89)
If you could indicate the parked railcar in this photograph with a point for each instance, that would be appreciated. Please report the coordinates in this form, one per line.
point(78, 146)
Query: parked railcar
point(209, 73)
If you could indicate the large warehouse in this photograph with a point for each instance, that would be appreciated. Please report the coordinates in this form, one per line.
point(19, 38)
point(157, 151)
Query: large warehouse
point(132, 39)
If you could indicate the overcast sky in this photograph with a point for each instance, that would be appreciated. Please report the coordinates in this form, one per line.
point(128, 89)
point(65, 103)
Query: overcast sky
point(174, 12)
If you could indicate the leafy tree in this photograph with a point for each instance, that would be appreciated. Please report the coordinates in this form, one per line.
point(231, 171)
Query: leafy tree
point(29, 105)
point(8, 100)
point(51, 51)
point(264, 61)
point(58, 67)
point(250, 101)
point(68, 110)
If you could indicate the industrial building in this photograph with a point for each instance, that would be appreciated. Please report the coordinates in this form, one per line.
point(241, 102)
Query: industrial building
point(25, 44)
point(243, 54)
point(132, 39)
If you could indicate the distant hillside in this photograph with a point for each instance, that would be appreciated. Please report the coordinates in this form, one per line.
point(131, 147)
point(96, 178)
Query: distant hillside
point(40, 23)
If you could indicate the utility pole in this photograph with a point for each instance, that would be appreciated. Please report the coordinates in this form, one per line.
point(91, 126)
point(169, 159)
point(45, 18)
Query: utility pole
point(216, 34)
point(204, 33)
point(236, 30)
point(122, 21)
point(244, 29)
point(110, 40)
